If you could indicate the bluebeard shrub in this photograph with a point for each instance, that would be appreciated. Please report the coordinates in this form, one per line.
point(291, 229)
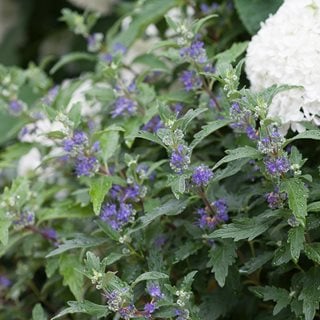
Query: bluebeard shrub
point(155, 187)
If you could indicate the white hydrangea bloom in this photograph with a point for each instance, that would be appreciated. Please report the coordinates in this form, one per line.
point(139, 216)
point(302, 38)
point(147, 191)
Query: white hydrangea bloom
point(37, 132)
point(88, 108)
point(286, 50)
point(29, 162)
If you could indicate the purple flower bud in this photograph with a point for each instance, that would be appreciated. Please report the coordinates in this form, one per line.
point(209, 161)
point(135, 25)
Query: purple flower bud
point(15, 107)
point(155, 291)
point(123, 106)
point(195, 52)
point(119, 48)
point(190, 80)
point(85, 165)
point(277, 166)
point(180, 159)
point(251, 133)
point(4, 282)
point(201, 175)
point(153, 125)
point(149, 308)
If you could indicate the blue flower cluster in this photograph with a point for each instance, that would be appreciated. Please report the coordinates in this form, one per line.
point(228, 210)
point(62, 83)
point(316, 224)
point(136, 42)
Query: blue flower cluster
point(276, 199)
point(180, 159)
point(118, 213)
point(243, 121)
point(190, 80)
point(201, 175)
point(78, 148)
point(210, 217)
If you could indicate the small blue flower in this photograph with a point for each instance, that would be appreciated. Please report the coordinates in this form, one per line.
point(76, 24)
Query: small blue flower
point(190, 80)
point(201, 175)
point(4, 282)
point(277, 166)
point(155, 291)
point(123, 106)
point(180, 159)
point(85, 165)
point(153, 125)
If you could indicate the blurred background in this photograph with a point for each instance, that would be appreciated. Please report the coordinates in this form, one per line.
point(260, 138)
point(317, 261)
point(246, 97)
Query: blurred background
point(30, 29)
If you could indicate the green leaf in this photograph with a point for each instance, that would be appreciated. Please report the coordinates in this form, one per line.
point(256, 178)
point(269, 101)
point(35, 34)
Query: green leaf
point(184, 121)
point(310, 293)
point(314, 206)
point(170, 208)
point(152, 275)
point(71, 57)
point(282, 255)
point(252, 13)
point(244, 228)
point(86, 307)
point(310, 134)
point(256, 263)
point(38, 313)
point(150, 137)
point(207, 130)
point(231, 169)
point(198, 24)
point(296, 241)
point(178, 185)
point(153, 62)
point(312, 251)
point(111, 233)
point(71, 277)
point(297, 198)
point(279, 295)
point(221, 257)
point(109, 142)
point(99, 187)
point(112, 258)
point(4, 230)
point(79, 242)
point(229, 56)
point(239, 153)
point(151, 12)
point(188, 280)
point(186, 250)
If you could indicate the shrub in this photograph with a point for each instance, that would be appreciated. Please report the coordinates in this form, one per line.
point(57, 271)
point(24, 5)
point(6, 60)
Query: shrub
point(155, 186)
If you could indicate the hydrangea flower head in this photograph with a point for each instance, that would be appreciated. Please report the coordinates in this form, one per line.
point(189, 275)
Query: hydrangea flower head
point(286, 50)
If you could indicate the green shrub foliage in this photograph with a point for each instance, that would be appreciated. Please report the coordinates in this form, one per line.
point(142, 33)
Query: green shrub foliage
point(155, 186)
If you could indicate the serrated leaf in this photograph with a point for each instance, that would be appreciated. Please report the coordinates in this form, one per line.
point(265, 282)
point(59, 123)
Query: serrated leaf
point(112, 258)
point(279, 295)
point(296, 241)
point(71, 57)
point(150, 137)
point(111, 233)
point(244, 228)
point(197, 25)
point(86, 307)
point(188, 280)
point(282, 255)
point(314, 206)
point(231, 169)
point(79, 242)
point(310, 293)
point(256, 263)
point(297, 198)
point(4, 231)
point(207, 130)
point(38, 313)
point(99, 187)
point(230, 55)
point(310, 134)
point(239, 153)
point(150, 12)
point(184, 121)
point(252, 13)
point(109, 142)
point(170, 208)
point(152, 275)
point(312, 251)
point(71, 277)
point(221, 257)
point(186, 250)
